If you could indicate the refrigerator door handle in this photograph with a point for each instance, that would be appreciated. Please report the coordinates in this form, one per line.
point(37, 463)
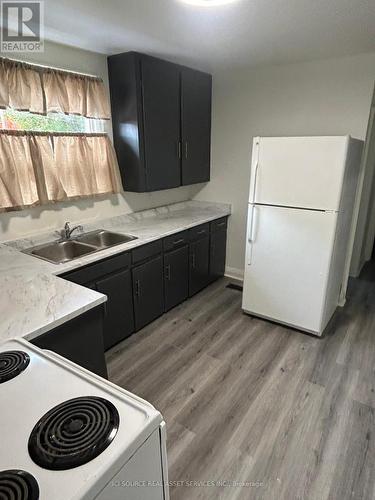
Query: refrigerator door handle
point(250, 239)
point(255, 182)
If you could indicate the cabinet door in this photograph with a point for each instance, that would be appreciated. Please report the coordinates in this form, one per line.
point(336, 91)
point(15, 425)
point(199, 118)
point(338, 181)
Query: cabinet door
point(218, 247)
point(199, 265)
point(161, 111)
point(148, 291)
point(80, 340)
point(196, 126)
point(127, 119)
point(176, 277)
point(119, 319)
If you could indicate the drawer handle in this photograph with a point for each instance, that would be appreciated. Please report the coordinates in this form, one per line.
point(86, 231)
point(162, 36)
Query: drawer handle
point(177, 242)
point(220, 224)
point(202, 231)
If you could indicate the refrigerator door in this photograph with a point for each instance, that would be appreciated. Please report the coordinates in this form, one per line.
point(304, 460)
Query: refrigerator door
point(305, 172)
point(287, 265)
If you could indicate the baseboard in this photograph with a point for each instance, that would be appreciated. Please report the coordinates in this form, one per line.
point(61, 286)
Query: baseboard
point(234, 273)
point(342, 301)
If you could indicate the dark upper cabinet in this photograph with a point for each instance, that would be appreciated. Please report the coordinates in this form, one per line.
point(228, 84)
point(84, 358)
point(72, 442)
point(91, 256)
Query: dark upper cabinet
point(161, 112)
point(195, 126)
point(118, 321)
point(161, 116)
point(218, 247)
point(127, 119)
point(148, 290)
point(176, 276)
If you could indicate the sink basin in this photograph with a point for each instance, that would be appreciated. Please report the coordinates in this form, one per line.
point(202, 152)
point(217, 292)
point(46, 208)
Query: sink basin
point(104, 239)
point(61, 251)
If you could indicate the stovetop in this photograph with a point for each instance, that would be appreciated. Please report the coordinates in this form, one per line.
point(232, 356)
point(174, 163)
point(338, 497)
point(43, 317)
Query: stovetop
point(73, 433)
point(55, 412)
point(12, 363)
point(18, 485)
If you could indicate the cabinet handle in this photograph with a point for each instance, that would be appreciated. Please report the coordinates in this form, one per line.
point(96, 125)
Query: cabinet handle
point(177, 242)
point(168, 272)
point(193, 260)
point(179, 148)
point(138, 288)
point(186, 150)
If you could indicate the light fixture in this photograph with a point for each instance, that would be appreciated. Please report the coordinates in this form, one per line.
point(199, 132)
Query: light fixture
point(208, 3)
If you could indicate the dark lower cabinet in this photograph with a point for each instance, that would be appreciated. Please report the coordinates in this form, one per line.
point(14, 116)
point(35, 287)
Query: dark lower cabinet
point(218, 246)
point(140, 285)
point(199, 265)
point(148, 291)
point(112, 277)
point(176, 277)
point(80, 340)
point(119, 318)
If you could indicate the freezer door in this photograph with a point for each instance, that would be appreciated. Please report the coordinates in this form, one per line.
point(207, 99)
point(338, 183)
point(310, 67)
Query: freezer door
point(287, 264)
point(304, 172)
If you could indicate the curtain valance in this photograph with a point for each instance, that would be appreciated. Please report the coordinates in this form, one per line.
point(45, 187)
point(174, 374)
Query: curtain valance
point(42, 90)
point(37, 168)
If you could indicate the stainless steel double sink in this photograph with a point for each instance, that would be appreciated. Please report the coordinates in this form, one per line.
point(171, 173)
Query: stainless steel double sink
point(62, 251)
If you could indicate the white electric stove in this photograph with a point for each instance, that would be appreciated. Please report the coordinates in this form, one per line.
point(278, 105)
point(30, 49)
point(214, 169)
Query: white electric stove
point(67, 434)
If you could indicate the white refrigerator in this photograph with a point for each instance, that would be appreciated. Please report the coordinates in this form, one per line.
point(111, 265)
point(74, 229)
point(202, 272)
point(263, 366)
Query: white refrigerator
point(302, 193)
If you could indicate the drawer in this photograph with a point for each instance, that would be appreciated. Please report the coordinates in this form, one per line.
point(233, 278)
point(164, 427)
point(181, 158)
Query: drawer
point(199, 231)
point(176, 240)
point(219, 224)
point(92, 272)
point(146, 251)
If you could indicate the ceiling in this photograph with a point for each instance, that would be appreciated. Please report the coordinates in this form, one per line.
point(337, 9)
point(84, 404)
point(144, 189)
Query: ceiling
point(245, 33)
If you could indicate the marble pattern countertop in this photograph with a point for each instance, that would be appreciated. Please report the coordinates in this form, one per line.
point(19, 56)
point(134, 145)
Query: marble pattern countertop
point(33, 299)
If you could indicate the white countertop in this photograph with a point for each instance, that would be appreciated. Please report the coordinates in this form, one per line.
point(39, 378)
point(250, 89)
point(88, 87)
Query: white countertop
point(33, 299)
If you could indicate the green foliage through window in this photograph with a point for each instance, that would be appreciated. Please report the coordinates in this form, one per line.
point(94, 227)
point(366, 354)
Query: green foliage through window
point(53, 122)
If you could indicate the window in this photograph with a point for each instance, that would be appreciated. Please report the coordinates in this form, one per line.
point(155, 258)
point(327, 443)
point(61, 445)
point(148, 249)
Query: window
point(11, 119)
point(55, 122)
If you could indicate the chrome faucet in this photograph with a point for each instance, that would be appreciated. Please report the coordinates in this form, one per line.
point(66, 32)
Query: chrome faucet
point(68, 231)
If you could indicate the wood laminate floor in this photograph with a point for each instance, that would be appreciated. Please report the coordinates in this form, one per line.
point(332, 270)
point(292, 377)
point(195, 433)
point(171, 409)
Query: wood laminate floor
point(283, 414)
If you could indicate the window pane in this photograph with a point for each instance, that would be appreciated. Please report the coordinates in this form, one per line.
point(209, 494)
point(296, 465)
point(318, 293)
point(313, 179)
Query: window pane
point(53, 122)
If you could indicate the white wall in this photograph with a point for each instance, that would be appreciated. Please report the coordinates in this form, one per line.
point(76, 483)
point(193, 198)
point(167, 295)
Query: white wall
point(316, 98)
point(17, 224)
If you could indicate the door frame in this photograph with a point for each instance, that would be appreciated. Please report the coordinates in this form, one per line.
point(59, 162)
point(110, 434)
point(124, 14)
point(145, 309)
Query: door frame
point(370, 225)
point(365, 189)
